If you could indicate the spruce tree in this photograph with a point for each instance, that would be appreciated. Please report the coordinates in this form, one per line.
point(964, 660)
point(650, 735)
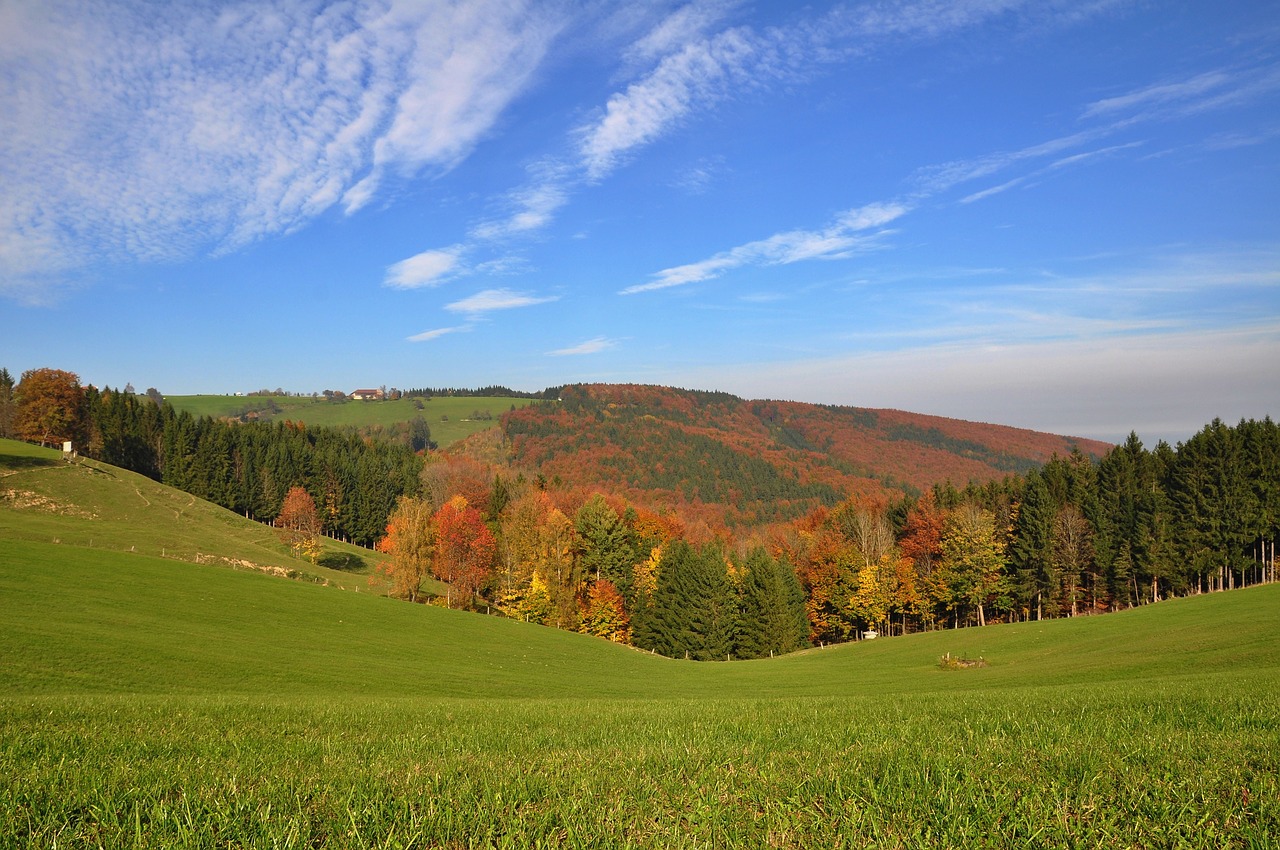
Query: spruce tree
point(1031, 552)
point(773, 615)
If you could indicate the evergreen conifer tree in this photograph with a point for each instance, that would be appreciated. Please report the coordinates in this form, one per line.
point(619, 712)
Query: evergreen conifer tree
point(773, 615)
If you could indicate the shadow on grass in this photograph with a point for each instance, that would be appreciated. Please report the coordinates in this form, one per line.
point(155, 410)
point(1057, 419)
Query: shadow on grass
point(341, 561)
point(21, 463)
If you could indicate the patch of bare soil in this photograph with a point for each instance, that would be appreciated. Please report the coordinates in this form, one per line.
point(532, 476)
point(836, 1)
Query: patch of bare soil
point(27, 500)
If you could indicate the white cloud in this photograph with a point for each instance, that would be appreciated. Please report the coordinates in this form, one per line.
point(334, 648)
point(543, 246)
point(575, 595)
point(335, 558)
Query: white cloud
point(142, 132)
point(497, 299)
point(841, 239)
point(427, 336)
point(694, 68)
point(1073, 159)
point(430, 268)
point(934, 179)
point(685, 24)
point(463, 64)
point(591, 346)
point(1205, 91)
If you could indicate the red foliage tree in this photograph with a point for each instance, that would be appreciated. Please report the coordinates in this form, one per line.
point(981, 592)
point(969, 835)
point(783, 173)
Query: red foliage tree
point(465, 549)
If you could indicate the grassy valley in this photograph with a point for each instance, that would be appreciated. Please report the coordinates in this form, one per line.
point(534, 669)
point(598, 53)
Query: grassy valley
point(146, 701)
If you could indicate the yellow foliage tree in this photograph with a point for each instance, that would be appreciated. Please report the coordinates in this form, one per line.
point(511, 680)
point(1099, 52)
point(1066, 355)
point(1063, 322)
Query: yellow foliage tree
point(410, 541)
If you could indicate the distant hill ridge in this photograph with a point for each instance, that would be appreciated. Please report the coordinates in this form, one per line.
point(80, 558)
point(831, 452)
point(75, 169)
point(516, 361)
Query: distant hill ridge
point(760, 461)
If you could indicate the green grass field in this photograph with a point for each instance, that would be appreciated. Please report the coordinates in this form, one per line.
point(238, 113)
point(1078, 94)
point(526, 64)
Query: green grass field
point(148, 702)
point(450, 418)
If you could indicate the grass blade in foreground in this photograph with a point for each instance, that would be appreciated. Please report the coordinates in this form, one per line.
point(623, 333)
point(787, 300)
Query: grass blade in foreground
point(1192, 764)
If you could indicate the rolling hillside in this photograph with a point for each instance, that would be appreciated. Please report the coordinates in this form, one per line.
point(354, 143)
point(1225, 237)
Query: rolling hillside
point(755, 462)
point(96, 507)
point(114, 583)
point(152, 702)
point(77, 620)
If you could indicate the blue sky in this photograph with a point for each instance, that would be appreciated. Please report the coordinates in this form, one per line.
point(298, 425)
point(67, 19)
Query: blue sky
point(1055, 215)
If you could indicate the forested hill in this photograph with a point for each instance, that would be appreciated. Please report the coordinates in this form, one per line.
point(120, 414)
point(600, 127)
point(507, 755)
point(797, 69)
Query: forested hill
point(747, 463)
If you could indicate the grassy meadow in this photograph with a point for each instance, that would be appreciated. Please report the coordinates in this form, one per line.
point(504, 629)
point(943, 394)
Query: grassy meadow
point(152, 702)
point(450, 418)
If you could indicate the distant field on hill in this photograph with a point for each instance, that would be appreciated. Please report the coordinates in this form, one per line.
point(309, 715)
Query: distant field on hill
point(451, 418)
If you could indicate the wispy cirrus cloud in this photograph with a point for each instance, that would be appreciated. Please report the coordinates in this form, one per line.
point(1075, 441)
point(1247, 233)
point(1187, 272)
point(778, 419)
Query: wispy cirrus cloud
point(591, 346)
point(1056, 165)
point(842, 238)
point(1193, 89)
point(427, 336)
point(137, 132)
point(935, 179)
point(687, 23)
point(1205, 91)
point(497, 299)
point(530, 207)
point(700, 73)
point(690, 61)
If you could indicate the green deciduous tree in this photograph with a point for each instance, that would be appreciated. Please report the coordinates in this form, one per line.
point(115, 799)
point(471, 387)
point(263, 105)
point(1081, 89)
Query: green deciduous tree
point(973, 561)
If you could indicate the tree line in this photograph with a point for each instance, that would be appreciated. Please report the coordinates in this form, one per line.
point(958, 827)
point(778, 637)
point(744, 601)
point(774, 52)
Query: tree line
point(627, 575)
point(1077, 536)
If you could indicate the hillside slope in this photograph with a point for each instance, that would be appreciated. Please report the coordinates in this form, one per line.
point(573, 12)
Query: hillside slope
point(757, 462)
point(102, 507)
point(81, 621)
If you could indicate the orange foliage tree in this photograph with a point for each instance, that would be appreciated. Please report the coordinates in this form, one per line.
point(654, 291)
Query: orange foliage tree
point(605, 613)
point(921, 543)
point(464, 551)
point(299, 523)
point(50, 406)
